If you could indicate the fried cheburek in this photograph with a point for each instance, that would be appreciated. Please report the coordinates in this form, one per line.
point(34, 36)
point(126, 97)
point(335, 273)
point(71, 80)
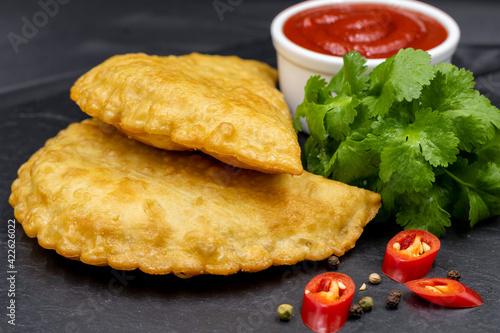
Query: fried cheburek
point(224, 106)
point(95, 195)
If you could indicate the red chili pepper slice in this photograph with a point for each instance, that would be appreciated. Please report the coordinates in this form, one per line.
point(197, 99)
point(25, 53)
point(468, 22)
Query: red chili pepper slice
point(445, 292)
point(409, 255)
point(327, 300)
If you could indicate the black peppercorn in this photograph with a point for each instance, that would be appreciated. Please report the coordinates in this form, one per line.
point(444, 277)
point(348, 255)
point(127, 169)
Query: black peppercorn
point(333, 262)
point(355, 311)
point(454, 275)
point(393, 299)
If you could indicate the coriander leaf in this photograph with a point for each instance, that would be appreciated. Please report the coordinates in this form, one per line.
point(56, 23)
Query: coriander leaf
point(447, 89)
point(315, 119)
point(481, 183)
point(488, 177)
point(470, 130)
point(335, 115)
point(311, 160)
point(388, 140)
point(351, 161)
point(474, 119)
point(490, 151)
point(381, 103)
point(433, 133)
point(339, 85)
point(399, 78)
point(472, 115)
point(362, 124)
point(332, 115)
point(314, 92)
point(423, 211)
point(388, 131)
point(488, 183)
point(350, 80)
point(317, 156)
point(446, 189)
point(389, 196)
point(406, 169)
point(478, 207)
point(299, 113)
point(341, 112)
point(408, 149)
point(480, 106)
point(411, 71)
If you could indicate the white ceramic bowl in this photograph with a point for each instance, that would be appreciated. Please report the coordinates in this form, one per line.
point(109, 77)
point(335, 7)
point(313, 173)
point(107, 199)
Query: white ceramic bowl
point(296, 64)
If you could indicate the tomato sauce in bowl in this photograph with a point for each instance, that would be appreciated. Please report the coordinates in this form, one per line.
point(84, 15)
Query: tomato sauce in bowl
point(385, 27)
point(374, 30)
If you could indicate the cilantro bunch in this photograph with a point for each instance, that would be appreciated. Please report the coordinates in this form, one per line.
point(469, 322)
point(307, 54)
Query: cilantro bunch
point(419, 135)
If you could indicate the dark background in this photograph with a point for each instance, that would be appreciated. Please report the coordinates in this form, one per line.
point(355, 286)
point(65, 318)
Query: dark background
point(54, 294)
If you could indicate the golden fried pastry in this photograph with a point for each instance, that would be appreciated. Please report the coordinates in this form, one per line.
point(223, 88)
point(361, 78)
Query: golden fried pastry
point(224, 106)
point(95, 195)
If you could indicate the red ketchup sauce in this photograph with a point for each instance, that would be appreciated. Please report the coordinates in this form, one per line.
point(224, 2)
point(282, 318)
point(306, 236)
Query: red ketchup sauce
point(374, 30)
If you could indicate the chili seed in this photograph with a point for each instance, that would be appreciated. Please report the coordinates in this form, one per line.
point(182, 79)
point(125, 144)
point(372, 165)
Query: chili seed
point(425, 247)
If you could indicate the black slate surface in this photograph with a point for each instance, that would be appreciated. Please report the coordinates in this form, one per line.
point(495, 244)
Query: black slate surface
point(54, 294)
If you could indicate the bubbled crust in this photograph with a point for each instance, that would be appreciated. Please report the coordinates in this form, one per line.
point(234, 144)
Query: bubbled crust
point(95, 195)
point(224, 106)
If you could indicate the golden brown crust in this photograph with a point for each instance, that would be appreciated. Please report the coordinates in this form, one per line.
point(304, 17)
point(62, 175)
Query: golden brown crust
point(224, 106)
point(95, 195)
